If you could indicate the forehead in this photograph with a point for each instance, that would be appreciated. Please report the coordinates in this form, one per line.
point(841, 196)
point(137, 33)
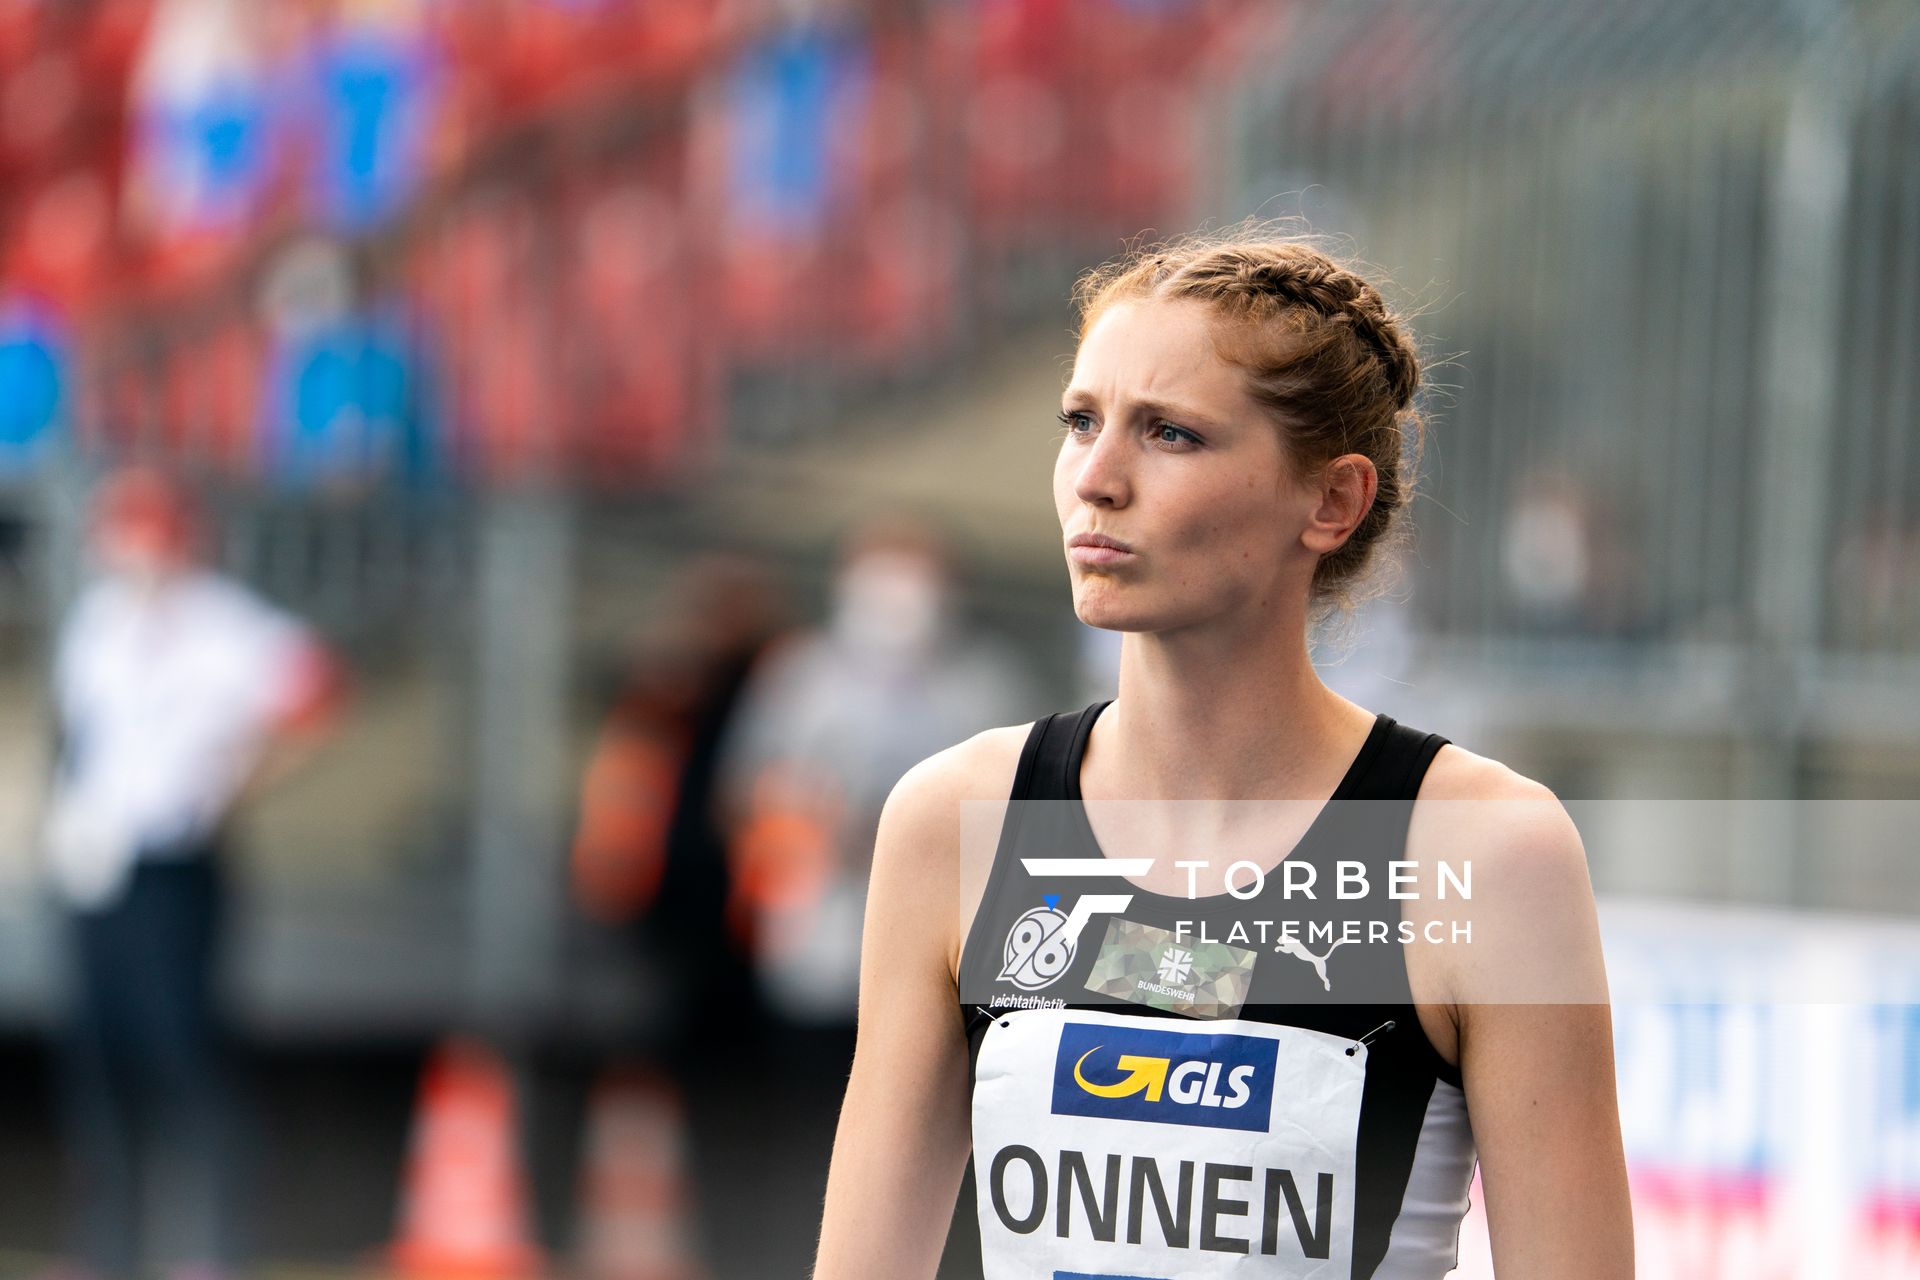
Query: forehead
point(1161, 351)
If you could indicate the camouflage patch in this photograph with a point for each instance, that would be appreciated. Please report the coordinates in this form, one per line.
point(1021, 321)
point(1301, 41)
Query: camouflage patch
point(1153, 967)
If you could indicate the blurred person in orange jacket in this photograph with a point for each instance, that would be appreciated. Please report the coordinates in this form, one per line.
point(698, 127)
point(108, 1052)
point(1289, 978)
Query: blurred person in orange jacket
point(177, 692)
point(648, 851)
point(650, 856)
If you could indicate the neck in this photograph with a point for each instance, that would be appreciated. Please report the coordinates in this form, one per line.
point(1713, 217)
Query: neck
point(1207, 716)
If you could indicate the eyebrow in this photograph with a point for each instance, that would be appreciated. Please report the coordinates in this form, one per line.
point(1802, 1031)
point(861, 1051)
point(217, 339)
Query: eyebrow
point(1074, 398)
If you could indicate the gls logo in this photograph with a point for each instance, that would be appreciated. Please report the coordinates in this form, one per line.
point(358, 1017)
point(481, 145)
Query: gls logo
point(1174, 1077)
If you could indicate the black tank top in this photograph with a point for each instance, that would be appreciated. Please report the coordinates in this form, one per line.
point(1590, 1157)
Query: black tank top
point(1207, 1087)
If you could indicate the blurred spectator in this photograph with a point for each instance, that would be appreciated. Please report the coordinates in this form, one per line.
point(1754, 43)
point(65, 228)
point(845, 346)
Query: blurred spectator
point(204, 105)
point(1547, 549)
point(176, 691)
point(793, 101)
point(1568, 564)
point(375, 80)
point(649, 850)
point(650, 856)
point(830, 722)
point(33, 382)
point(347, 402)
point(792, 95)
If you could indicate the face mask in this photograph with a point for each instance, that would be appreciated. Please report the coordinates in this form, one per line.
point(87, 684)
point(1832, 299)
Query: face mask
point(141, 558)
point(889, 603)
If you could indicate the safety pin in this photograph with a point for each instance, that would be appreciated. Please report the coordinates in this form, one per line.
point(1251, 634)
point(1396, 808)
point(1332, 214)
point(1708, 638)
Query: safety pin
point(1378, 1031)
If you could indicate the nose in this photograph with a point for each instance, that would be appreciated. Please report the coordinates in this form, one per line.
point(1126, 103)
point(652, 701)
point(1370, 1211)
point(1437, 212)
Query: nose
point(1103, 479)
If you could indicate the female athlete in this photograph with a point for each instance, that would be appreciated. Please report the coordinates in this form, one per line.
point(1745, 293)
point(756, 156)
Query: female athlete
point(1166, 1064)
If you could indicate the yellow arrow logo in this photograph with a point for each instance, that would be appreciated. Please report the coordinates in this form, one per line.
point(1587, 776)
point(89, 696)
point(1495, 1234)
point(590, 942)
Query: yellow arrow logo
point(1149, 1074)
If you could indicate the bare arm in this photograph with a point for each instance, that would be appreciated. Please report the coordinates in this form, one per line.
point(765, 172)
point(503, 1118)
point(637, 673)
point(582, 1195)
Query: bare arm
point(904, 1132)
point(1536, 1041)
point(310, 716)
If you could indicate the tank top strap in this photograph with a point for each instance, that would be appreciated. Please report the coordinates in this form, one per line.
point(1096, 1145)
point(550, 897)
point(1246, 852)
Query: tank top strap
point(1399, 764)
point(1052, 754)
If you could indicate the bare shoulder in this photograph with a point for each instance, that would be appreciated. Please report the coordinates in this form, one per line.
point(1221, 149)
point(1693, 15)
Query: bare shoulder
point(927, 800)
point(1530, 899)
point(1502, 812)
point(938, 832)
point(1459, 774)
point(973, 769)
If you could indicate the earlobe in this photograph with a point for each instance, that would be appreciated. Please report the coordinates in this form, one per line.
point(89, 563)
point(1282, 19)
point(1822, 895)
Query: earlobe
point(1323, 535)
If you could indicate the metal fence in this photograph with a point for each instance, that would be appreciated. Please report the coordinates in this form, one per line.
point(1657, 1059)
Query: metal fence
point(1673, 247)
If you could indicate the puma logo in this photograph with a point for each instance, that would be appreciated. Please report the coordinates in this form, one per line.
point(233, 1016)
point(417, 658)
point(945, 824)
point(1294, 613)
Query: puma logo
point(1298, 950)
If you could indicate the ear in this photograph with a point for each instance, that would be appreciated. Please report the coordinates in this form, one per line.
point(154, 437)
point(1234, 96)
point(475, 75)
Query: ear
point(1344, 492)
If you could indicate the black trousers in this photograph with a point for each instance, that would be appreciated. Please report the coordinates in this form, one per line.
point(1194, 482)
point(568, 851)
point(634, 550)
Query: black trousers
point(147, 1078)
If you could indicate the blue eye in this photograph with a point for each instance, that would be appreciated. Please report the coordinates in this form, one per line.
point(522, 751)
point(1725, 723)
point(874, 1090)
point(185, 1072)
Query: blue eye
point(1180, 434)
point(1071, 420)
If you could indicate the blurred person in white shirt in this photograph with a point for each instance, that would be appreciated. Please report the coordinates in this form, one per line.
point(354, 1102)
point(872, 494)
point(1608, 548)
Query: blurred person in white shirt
point(830, 721)
point(176, 692)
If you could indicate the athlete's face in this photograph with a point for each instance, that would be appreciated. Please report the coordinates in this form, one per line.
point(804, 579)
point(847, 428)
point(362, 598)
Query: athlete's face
point(1166, 451)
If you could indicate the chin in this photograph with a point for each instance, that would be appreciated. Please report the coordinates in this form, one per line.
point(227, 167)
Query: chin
point(1102, 606)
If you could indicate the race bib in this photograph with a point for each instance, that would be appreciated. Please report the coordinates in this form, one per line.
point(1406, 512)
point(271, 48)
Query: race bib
point(1125, 1145)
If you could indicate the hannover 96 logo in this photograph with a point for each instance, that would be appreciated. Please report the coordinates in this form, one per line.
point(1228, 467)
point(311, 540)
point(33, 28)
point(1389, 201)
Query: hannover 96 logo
point(1041, 945)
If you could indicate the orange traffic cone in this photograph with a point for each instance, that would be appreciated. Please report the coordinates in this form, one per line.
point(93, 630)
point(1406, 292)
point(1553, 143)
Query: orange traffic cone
point(464, 1206)
point(636, 1213)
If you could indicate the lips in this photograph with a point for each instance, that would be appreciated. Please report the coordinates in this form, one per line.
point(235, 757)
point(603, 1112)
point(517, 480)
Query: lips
point(1097, 549)
point(1097, 540)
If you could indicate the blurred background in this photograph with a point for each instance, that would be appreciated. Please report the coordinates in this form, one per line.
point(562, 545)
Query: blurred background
point(614, 440)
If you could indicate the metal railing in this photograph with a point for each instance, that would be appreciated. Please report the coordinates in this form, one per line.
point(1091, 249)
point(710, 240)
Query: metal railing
point(1673, 247)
